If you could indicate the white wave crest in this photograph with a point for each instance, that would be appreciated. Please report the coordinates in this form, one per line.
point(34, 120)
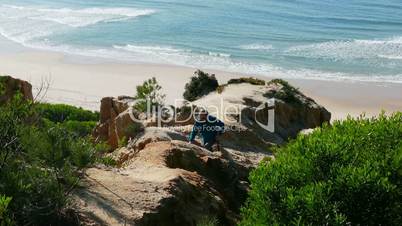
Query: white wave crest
point(353, 49)
point(170, 55)
point(182, 57)
point(154, 50)
point(72, 17)
point(259, 47)
point(215, 54)
point(31, 26)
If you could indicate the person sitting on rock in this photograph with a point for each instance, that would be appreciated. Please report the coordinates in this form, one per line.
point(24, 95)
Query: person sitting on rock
point(209, 127)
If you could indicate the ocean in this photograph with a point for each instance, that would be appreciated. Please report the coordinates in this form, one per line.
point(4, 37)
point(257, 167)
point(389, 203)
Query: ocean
point(353, 40)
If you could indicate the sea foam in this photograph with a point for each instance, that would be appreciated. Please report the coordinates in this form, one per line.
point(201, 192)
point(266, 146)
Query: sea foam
point(73, 17)
point(183, 57)
point(258, 47)
point(30, 25)
point(351, 49)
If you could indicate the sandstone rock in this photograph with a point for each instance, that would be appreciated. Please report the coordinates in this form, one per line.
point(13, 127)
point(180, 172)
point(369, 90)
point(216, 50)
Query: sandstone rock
point(116, 122)
point(9, 86)
point(149, 135)
point(154, 134)
point(122, 155)
point(241, 106)
point(297, 114)
point(166, 183)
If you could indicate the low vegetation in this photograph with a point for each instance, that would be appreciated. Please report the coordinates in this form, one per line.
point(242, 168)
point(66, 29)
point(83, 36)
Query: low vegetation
point(200, 85)
point(208, 221)
point(43, 148)
point(75, 120)
point(2, 86)
point(5, 218)
point(288, 93)
point(62, 113)
point(250, 80)
point(349, 173)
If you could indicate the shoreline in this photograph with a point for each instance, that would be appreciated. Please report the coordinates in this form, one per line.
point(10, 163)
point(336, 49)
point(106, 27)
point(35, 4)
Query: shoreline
point(83, 81)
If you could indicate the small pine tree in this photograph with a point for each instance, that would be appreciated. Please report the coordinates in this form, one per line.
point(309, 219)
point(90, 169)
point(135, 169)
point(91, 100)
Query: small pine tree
point(149, 92)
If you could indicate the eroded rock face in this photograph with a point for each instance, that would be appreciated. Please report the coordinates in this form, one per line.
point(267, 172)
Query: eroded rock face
point(115, 121)
point(10, 86)
point(166, 183)
point(246, 103)
point(138, 143)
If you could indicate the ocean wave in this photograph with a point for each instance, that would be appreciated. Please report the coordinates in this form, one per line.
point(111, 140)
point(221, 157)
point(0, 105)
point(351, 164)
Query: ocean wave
point(182, 57)
point(72, 17)
point(226, 55)
point(351, 49)
point(155, 50)
point(390, 57)
point(33, 26)
point(259, 47)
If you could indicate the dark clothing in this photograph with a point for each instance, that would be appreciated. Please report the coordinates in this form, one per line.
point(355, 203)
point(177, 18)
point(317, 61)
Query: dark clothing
point(208, 130)
point(209, 145)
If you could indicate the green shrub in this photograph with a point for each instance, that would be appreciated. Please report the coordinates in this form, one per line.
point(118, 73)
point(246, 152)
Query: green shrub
point(250, 80)
point(149, 92)
point(5, 219)
point(349, 173)
point(80, 129)
point(39, 164)
point(133, 129)
point(77, 121)
point(200, 85)
point(122, 142)
point(63, 112)
point(220, 89)
point(208, 221)
point(107, 161)
point(288, 93)
point(2, 87)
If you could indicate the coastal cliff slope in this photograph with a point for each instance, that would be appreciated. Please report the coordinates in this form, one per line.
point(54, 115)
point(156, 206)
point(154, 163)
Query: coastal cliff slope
point(160, 179)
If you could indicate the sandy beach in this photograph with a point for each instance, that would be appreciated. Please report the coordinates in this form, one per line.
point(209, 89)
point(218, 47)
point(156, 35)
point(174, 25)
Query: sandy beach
point(83, 81)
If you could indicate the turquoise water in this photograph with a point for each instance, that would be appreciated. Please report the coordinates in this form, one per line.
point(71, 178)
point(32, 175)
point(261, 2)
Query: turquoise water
point(326, 39)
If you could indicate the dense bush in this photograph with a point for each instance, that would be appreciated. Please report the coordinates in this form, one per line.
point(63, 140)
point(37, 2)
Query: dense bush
point(349, 173)
point(250, 80)
point(63, 112)
point(200, 85)
point(78, 128)
point(39, 164)
point(73, 119)
point(288, 93)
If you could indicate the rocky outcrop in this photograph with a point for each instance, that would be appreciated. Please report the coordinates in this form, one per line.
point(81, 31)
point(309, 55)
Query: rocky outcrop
point(162, 180)
point(241, 106)
point(244, 108)
point(294, 112)
point(10, 86)
point(166, 183)
point(115, 121)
